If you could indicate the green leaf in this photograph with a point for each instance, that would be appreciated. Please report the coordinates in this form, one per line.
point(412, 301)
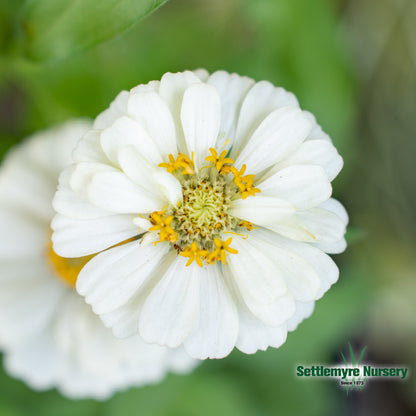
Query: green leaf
point(55, 29)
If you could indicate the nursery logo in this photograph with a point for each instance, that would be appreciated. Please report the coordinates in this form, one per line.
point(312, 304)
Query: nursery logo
point(355, 373)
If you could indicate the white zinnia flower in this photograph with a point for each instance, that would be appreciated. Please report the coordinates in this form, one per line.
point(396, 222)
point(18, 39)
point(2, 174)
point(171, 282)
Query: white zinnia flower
point(225, 185)
point(49, 336)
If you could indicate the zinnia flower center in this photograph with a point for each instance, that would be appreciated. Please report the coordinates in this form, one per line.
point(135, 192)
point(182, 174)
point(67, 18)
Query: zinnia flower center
point(195, 226)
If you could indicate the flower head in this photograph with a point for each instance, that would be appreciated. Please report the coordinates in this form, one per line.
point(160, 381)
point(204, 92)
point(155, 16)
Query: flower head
point(49, 336)
point(225, 184)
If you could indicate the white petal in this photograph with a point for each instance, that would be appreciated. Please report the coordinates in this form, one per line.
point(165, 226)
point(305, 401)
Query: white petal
point(114, 192)
point(324, 266)
point(117, 109)
point(232, 89)
point(303, 186)
point(301, 278)
point(171, 89)
point(280, 133)
point(338, 209)
point(322, 224)
point(315, 225)
point(336, 247)
point(202, 74)
point(215, 333)
point(17, 227)
point(262, 210)
point(124, 321)
point(39, 363)
point(303, 311)
point(78, 238)
point(155, 180)
point(48, 151)
point(260, 282)
point(200, 116)
point(253, 334)
point(71, 204)
point(314, 152)
point(143, 224)
point(113, 277)
point(171, 310)
point(151, 86)
point(136, 167)
point(88, 149)
point(20, 299)
point(152, 113)
point(82, 174)
point(260, 101)
point(21, 190)
point(316, 133)
point(169, 186)
point(126, 132)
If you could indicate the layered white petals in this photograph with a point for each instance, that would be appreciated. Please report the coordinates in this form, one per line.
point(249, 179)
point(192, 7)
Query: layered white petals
point(280, 133)
point(261, 284)
point(117, 108)
point(314, 152)
point(261, 100)
point(78, 238)
point(262, 210)
point(128, 265)
point(323, 265)
point(232, 89)
point(145, 287)
point(338, 209)
point(152, 113)
point(89, 148)
point(216, 330)
point(253, 334)
point(316, 225)
point(83, 173)
point(70, 203)
point(127, 132)
point(172, 88)
point(303, 311)
point(200, 116)
point(114, 192)
point(171, 310)
point(155, 181)
point(304, 186)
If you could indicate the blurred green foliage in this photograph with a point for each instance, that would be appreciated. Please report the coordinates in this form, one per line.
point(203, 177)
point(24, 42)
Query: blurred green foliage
point(56, 29)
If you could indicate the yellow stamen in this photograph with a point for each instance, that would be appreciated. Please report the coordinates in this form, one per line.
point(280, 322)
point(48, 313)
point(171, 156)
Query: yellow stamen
point(247, 225)
point(182, 161)
point(194, 254)
point(220, 161)
point(161, 224)
point(245, 183)
point(245, 236)
point(221, 250)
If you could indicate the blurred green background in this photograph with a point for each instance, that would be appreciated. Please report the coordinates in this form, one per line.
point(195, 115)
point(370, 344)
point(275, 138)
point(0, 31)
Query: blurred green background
point(350, 62)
